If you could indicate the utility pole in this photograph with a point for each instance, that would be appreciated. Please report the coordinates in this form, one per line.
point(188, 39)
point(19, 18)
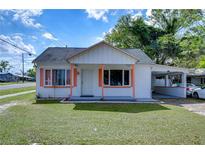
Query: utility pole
point(23, 67)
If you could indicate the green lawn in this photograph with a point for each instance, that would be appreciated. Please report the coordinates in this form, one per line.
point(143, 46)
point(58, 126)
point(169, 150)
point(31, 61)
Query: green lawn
point(48, 122)
point(15, 90)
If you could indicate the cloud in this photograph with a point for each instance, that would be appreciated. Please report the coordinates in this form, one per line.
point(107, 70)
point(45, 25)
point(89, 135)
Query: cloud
point(34, 37)
point(100, 38)
point(149, 19)
point(137, 14)
point(98, 14)
point(12, 54)
point(49, 36)
point(149, 12)
point(26, 17)
point(16, 40)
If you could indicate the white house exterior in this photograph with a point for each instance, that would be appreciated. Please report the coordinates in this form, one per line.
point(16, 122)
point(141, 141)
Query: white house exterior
point(102, 71)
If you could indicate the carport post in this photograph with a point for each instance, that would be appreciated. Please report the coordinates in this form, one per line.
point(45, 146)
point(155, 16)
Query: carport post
point(184, 83)
point(167, 81)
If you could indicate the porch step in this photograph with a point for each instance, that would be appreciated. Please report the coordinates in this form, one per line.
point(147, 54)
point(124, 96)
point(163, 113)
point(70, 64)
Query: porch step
point(99, 98)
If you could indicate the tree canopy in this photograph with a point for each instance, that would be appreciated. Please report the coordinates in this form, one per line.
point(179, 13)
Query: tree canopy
point(31, 72)
point(171, 37)
point(4, 66)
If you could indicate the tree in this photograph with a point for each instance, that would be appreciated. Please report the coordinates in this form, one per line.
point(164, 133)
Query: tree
point(4, 66)
point(134, 33)
point(31, 72)
point(201, 62)
point(174, 37)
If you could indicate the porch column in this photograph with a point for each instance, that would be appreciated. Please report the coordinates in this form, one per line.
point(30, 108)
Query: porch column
point(167, 81)
point(102, 81)
point(71, 79)
point(133, 79)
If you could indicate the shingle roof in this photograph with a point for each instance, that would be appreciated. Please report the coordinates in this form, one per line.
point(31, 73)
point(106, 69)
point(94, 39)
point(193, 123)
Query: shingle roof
point(53, 54)
point(60, 54)
point(144, 59)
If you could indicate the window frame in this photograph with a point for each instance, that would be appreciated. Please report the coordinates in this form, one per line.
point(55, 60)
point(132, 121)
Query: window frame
point(123, 85)
point(51, 75)
point(51, 83)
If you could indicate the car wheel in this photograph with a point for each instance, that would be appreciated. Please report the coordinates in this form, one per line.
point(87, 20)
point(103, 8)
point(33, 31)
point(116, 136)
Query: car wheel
point(195, 95)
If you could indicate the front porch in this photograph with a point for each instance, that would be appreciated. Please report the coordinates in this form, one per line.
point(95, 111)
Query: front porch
point(108, 99)
point(93, 82)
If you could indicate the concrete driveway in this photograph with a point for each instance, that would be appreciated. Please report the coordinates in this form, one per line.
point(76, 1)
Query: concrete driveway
point(28, 84)
point(197, 108)
point(191, 104)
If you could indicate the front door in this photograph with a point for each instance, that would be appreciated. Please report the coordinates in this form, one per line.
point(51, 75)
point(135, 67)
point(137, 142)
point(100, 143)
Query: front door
point(87, 83)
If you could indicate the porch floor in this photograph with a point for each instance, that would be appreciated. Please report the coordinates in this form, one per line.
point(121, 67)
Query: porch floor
point(109, 99)
point(99, 98)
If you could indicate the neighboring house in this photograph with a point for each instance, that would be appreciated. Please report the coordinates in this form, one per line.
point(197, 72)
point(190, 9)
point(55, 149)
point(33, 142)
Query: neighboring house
point(103, 71)
point(196, 76)
point(8, 77)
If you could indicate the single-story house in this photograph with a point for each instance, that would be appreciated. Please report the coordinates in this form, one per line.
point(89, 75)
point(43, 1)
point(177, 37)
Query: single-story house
point(196, 76)
point(103, 71)
point(8, 77)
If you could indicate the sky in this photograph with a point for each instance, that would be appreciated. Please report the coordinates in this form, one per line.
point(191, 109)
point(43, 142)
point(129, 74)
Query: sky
point(36, 30)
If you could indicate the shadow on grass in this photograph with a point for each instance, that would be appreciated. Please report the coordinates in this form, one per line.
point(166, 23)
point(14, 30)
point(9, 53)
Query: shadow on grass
point(47, 102)
point(128, 108)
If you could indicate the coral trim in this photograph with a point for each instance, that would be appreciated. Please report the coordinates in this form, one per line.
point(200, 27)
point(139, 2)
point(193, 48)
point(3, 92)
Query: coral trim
point(56, 86)
point(41, 77)
point(75, 77)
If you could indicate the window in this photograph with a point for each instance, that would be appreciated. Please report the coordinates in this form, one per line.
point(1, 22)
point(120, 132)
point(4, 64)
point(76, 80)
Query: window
point(202, 80)
point(58, 76)
point(126, 77)
point(47, 77)
point(106, 77)
point(117, 77)
point(68, 77)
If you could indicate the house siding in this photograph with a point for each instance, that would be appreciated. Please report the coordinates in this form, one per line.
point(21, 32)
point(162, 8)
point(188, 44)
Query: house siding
point(142, 82)
point(103, 54)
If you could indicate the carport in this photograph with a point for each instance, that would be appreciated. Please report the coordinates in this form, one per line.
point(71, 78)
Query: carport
point(168, 82)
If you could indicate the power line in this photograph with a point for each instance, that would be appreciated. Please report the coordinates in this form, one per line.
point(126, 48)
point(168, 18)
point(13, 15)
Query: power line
point(22, 49)
point(16, 46)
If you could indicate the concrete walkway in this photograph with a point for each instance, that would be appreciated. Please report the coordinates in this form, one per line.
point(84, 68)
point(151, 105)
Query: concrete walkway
point(20, 85)
point(17, 94)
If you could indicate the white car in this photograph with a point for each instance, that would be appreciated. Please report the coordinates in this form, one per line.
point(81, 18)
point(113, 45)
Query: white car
point(199, 93)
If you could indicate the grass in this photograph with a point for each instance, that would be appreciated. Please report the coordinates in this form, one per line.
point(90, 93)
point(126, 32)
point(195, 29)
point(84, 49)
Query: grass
point(48, 122)
point(15, 90)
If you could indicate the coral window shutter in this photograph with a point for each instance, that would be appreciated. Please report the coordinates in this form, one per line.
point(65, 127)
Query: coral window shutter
point(75, 77)
point(41, 77)
point(100, 77)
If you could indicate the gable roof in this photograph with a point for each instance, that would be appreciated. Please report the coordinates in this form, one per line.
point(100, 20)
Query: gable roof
point(103, 42)
point(63, 54)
